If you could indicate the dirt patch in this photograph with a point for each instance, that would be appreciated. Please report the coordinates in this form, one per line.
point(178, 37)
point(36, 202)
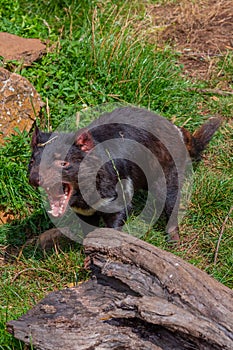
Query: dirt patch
point(202, 31)
point(5, 217)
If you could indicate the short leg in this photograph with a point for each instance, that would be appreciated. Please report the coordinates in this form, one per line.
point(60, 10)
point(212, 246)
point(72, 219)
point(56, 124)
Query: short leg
point(171, 210)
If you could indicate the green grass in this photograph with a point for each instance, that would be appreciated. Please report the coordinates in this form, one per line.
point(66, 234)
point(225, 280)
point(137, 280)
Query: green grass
point(99, 56)
point(14, 187)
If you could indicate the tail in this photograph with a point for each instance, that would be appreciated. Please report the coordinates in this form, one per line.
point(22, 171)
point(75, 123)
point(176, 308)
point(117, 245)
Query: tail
point(197, 142)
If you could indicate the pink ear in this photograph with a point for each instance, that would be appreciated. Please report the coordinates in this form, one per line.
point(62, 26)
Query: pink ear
point(85, 141)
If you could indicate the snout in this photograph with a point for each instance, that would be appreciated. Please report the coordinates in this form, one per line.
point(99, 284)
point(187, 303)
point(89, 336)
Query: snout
point(35, 179)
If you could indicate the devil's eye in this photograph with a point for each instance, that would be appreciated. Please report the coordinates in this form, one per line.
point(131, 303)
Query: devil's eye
point(61, 163)
point(64, 164)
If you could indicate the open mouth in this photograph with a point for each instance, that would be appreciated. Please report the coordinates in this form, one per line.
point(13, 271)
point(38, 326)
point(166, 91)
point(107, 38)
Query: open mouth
point(58, 196)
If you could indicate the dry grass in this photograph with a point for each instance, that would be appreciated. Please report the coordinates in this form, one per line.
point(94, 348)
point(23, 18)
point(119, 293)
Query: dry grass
point(200, 30)
point(203, 26)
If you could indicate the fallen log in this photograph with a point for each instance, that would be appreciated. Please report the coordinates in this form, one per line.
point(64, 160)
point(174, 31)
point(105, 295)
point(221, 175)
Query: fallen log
point(139, 297)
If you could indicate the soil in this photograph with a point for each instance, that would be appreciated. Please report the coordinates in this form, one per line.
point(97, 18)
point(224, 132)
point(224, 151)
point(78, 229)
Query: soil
point(5, 217)
point(201, 30)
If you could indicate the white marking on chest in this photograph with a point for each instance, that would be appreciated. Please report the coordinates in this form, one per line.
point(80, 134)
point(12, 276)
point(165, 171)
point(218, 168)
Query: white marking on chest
point(129, 189)
point(84, 212)
point(97, 206)
point(103, 202)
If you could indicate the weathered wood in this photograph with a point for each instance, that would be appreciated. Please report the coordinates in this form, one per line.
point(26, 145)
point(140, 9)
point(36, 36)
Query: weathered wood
point(140, 297)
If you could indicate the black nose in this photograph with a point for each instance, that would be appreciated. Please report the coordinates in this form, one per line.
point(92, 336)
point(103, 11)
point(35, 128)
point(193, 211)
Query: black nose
point(35, 179)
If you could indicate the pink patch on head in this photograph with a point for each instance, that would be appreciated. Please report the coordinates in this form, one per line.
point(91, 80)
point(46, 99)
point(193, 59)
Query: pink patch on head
point(85, 141)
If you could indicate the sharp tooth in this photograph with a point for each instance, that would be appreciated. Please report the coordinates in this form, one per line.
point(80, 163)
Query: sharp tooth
point(50, 211)
point(47, 188)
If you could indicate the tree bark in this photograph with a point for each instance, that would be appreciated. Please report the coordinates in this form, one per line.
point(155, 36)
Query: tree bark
point(139, 297)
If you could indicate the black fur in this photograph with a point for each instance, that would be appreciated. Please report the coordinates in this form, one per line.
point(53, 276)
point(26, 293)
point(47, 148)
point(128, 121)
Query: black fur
point(58, 165)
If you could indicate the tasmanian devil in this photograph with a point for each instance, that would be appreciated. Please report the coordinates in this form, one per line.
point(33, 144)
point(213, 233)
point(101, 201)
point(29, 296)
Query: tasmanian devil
point(97, 170)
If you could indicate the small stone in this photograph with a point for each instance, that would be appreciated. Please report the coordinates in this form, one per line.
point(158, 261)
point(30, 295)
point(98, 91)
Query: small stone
point(26, 51)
